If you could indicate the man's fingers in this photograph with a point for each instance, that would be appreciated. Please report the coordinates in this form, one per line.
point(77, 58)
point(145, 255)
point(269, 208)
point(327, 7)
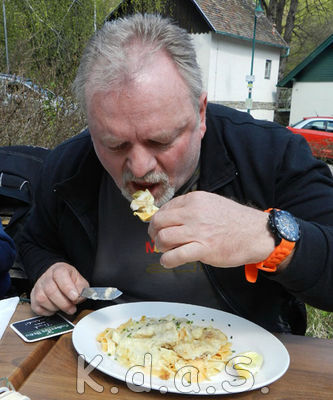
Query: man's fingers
point(57, 290)
point(177, 211)
point(181, 255)
point(176, 202)
point(41, 310)
point(174, 236)
point(60, 301)
point(163, 219)
point(40, 303)
point(80, 283)
point(63, 279)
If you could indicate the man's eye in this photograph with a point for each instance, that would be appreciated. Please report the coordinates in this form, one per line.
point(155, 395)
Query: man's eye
point(160, 145)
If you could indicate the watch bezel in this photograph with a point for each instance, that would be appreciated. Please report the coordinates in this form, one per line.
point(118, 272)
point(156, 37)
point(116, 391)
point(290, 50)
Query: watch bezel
point(284, 225)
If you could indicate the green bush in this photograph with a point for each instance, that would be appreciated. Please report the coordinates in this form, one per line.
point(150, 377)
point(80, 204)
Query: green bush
point(320, 323)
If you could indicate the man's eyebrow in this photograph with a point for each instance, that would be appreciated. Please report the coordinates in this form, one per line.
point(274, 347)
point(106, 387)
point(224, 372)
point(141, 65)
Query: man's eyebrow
point(170, 134)
point(111, 140)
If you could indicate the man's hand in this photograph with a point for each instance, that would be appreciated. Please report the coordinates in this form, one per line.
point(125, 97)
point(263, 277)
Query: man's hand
point(206, 227)
point(57, 289)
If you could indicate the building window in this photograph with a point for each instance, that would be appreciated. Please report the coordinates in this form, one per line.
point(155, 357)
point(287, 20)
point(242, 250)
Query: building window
point(268, 67)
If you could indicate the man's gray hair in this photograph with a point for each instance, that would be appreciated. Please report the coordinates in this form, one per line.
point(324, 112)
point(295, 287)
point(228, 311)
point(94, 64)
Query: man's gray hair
point(121, 48)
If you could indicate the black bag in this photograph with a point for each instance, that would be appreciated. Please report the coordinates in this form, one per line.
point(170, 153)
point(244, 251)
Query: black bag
point(19, 172)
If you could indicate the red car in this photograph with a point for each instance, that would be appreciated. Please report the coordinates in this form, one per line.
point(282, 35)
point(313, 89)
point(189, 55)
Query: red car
point(318, 131)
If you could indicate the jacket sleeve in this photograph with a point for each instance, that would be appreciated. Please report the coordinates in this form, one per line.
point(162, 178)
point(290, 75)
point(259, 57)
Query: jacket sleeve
point(7, 251)
point(304, 186)
point(39, 244)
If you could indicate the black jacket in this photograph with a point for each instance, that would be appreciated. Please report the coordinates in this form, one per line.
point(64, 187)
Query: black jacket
point(253, 162)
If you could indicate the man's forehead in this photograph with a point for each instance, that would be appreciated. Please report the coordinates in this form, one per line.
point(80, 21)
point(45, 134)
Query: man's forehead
point(159, 73)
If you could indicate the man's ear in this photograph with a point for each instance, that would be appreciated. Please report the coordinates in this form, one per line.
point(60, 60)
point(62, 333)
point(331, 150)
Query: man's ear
point(202, 113)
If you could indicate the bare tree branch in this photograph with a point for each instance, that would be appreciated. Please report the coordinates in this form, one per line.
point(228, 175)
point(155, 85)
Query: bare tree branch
point(41, 20)
point(69, 9)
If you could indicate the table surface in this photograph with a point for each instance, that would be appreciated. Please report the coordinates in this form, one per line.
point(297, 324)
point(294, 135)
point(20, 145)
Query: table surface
point(48, 370)
point(17, 358)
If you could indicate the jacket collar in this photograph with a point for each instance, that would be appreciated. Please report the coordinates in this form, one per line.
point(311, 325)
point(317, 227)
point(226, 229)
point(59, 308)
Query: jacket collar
point(81, 189)
point(216, 167)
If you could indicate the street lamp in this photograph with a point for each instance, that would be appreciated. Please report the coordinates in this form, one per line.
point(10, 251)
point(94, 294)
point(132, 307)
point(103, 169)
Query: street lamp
point(5, 30)
point(250, 79)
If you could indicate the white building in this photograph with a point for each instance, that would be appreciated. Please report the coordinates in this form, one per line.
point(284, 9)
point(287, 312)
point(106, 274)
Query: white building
point(226, 63)
point(312, 84)
point(225, 55)
point(223, 35)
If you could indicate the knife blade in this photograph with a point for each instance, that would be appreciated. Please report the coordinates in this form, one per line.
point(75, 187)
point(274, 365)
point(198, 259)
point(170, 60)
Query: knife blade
point(101, 293)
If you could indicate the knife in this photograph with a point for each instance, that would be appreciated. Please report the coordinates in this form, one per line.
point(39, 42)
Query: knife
point(101, 293)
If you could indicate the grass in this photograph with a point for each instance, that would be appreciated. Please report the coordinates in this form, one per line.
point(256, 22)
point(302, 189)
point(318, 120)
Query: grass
point(320, 323)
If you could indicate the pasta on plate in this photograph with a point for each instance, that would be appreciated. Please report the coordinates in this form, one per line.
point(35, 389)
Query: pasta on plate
point(173, 343)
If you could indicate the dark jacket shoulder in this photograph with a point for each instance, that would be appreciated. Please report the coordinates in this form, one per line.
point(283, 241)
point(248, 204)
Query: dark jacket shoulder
point(240, 126)
point(66, 159)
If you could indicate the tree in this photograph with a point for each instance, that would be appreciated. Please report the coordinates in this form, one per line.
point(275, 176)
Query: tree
point(314, 23)
point(144, 6)
point(46, 37)
point(303, 24)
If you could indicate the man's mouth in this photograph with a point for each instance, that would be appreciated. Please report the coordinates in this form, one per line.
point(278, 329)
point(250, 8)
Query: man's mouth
point(160, 189)
point(144, 185)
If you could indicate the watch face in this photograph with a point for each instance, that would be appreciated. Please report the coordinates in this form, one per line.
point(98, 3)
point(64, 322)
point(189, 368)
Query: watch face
point(287, 226)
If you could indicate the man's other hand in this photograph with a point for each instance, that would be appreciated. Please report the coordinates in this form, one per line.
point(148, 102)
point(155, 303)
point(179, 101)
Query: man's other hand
point(57, 289)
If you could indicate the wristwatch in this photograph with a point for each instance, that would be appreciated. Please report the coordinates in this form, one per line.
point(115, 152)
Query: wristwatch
point(286, 232)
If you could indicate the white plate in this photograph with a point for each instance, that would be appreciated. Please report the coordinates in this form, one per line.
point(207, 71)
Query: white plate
point(244, 335)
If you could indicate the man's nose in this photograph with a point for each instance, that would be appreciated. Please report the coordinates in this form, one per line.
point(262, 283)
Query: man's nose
point(140, 161)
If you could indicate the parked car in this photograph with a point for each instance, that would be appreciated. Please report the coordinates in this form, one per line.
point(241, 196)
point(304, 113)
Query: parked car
point(17, 88)
point(318, 131)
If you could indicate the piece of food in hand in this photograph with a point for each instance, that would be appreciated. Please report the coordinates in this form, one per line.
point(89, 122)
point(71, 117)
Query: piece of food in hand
point(143, 205)
point(247, 363)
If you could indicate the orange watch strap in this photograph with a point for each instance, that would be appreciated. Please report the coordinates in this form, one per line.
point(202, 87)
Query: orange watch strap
point(279, 254)
point(251, 272)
